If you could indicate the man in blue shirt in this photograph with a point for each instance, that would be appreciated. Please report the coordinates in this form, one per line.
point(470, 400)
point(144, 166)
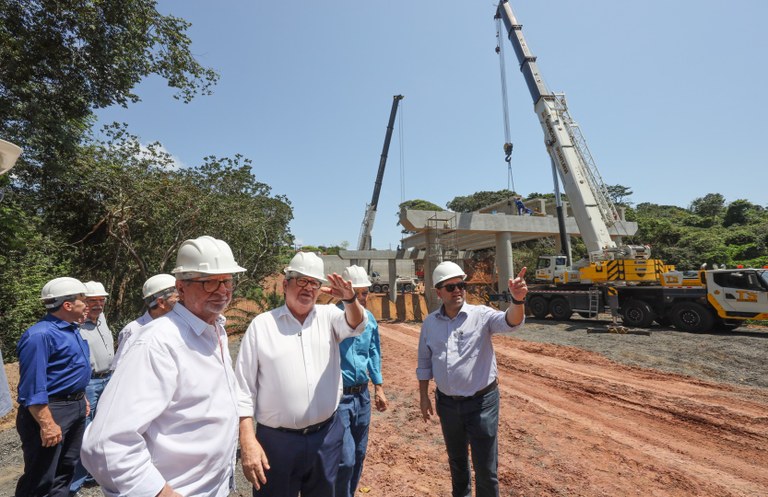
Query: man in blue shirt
point(54, 370)
point(360, 360)
point(455, 350)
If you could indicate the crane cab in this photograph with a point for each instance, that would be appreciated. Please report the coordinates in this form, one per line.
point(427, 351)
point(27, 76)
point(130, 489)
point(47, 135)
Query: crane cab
point(554, 269)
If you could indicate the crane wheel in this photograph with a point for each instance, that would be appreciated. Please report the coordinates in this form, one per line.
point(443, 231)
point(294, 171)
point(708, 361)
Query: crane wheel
point(538, 306)
point(692, 317)
point(560, 309)
point(637, 314)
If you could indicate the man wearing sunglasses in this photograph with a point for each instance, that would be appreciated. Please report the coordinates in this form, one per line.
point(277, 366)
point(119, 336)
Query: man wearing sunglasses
point(167, 423)
point(455, 350)
point(289, 374)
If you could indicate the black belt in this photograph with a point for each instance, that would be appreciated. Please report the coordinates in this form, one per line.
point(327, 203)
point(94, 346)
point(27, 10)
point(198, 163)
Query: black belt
point(104, 374)
point(492, 386)
point(309, 429)
point(355, 388)
point(66, 398)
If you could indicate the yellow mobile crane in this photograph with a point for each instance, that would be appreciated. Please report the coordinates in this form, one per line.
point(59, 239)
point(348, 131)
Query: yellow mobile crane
point(623, 278)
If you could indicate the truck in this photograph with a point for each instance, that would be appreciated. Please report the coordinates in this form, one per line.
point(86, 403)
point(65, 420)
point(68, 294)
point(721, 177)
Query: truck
point(623, 279)
point(381, 285)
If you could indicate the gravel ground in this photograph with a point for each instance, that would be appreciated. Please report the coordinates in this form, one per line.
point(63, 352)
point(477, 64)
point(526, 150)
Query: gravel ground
point(738, 357)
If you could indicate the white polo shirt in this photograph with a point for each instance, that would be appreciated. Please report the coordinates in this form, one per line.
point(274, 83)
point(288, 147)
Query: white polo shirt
point(168, 414)
point(289, 373)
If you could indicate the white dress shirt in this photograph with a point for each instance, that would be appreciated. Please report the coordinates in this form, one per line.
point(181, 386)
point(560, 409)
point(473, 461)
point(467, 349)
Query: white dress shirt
point(124, 337)
point(289, 373)
point(168, 414)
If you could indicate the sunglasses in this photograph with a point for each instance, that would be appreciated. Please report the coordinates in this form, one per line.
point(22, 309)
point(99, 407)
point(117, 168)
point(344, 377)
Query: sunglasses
point(461, 285)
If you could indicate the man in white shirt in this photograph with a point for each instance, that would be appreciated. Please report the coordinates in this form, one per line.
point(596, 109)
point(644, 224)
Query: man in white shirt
point(167, 424)
point(289, 374)
point(160, 295)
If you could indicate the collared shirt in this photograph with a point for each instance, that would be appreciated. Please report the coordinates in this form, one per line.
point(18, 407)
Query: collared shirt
point(101, 343)
point(458, 353)
point(169, 413)
point(124, 337)
point(361, 356)
point(288, 372)
point(53, 360)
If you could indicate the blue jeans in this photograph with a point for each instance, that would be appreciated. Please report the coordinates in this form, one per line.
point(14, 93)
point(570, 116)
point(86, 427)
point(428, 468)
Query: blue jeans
point(93, 393)
point(355, 415)
point(471, 423)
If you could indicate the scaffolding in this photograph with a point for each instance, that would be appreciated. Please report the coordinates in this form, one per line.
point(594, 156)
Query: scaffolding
point(445, 243)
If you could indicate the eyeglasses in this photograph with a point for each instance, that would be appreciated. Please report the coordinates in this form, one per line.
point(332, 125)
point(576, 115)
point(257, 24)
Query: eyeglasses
point(211, 286)
point(313, 284)
point(461, 285)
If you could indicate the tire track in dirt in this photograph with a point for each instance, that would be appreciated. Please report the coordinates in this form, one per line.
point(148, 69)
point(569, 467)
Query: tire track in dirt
point(574, 423)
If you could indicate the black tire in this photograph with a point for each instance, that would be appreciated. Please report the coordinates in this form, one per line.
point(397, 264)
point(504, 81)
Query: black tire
point(637, 314)
point(408, 287)
point(560, 309)
point(376, 288)
point(385, 288)
point(538, 306)
point(692, 317)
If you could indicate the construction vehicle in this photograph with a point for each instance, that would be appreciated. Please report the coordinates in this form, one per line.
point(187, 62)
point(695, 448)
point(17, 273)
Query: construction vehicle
point(382, 285)
point(620, 278)
point(364, 242)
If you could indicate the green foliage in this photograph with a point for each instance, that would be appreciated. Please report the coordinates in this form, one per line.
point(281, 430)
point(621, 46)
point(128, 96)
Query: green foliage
point(476, 201)
point(420, 205)
point(25, 271)
point(619, 194)
point(62, 59)
point(710, 205)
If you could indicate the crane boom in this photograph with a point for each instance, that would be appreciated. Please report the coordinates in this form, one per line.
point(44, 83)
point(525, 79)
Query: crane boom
point(364, 242)
point(592, 208)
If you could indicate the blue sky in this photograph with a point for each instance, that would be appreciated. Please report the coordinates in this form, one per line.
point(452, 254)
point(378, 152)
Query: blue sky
point(669, 94)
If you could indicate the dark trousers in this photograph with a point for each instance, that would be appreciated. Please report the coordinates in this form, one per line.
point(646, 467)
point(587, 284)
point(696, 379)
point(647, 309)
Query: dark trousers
point(355, 416)
point(93, 393)
point(301, 463)
point(48, 471)
point(471, 423)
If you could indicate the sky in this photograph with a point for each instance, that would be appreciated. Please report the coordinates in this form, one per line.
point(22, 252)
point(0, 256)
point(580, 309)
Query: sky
point(670, 95)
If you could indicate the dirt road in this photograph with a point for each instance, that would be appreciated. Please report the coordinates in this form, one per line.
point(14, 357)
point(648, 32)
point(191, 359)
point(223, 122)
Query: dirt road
point(573, 423)
point(576, 424)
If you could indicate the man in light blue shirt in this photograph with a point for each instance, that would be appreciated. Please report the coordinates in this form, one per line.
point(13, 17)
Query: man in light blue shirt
point(455, 350)
point(360, 360)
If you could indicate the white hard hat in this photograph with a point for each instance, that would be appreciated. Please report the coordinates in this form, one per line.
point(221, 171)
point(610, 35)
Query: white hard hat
point(445, 271)
point(307, 264)
point(8, 155)
point(95, 289)
point(59, 290)
point(357, 276)
point(205, 255)
point(156, 284)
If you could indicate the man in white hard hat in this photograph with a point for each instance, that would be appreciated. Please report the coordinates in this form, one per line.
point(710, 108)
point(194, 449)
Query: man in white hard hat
point(160, 295)
point(167, 424)
point(360, 361)
point(289, 375)
point(95, 330)
point(54, 372)
point(455, 350)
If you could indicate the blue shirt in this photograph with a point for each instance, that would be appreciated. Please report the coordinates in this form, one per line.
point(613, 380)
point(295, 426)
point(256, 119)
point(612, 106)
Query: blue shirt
point(458, 353)
point(53, 360)
point(361, 356)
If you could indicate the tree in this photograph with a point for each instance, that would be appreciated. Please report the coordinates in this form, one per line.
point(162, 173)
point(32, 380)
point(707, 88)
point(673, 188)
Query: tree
point(129, 211)
point(477, 201)
point(617, 194)
point(61, 59)
point(741, 212)
point(710, 205)
point(420, 205)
